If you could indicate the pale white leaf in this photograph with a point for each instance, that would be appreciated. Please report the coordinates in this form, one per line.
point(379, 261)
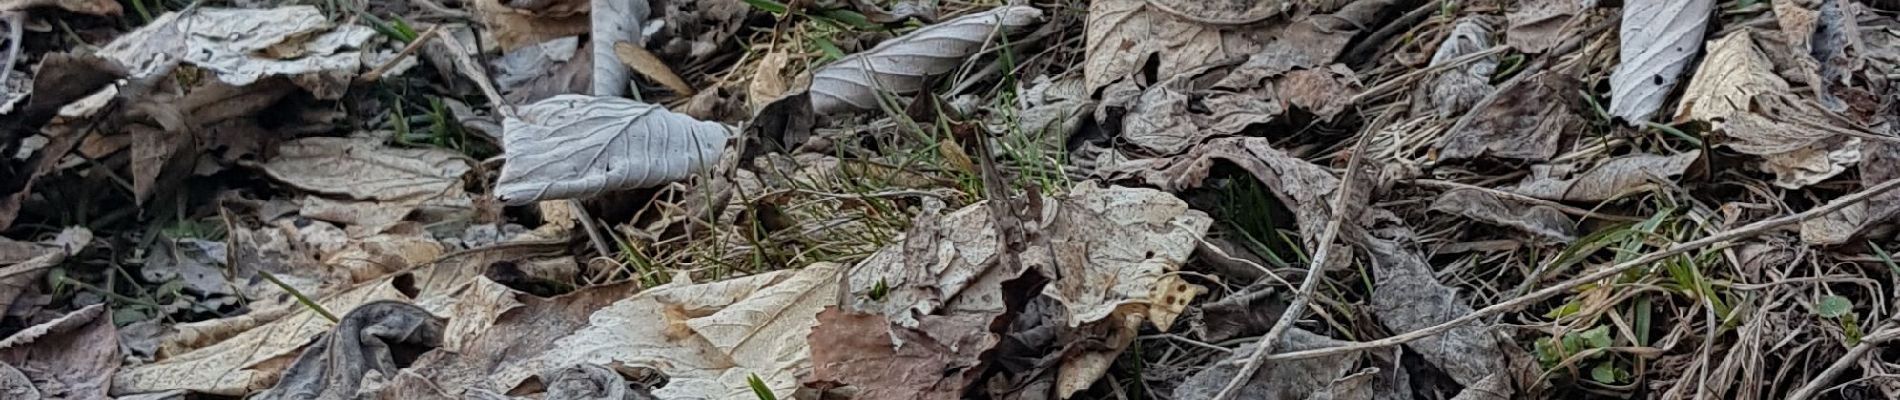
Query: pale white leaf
point(614, 21)
point(902, 65)
point(574, 146)
point(1659, 38)
point(242, 46)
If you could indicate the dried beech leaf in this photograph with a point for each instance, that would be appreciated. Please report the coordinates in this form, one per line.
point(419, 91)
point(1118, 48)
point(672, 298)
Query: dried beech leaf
point(1659, 38)
point(651, 67)
point(1527, 119)
point(902, 65)
point(1497, 210)
point(573, 146)
point(1734, 72)
point(1620, 176)
point(1122, 35)
point(25, 265)
point(1881, 163)
point(72, 357)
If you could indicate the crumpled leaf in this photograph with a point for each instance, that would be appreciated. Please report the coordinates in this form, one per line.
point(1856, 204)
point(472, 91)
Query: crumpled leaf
point(1241, 315)
point(1165, 120)
point(1733, 73)
point(91, 7)
point(1527, 119)
point(590, 382)
point(902, 65)
point(1408, 297)
point(1304, 187)
point(517, 23)
point(198, 264)
point(72, 357)
point(252, 360)
point(1455, 91)
point(706, 338)
point(1492, 209)
point(1659, 38)
point(1881, 163)
point(1122, 35)
point(1615, 177)
point(242, 46)
point(936, 360)
point(361, 347)
point(1799, 142)
point(1538, 25)
point(495, 335)
point(573, 146)
point(1290, 379)
point(26, 264)
point(542, 70)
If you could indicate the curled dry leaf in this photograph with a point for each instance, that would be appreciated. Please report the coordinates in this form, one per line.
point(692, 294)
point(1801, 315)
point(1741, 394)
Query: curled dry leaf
point(651, 67)
point(1799, 142)
point(1486, 207)
point(902, 65)
point(706, 338)
point(1733, 73)
point(72, 357)
point(1659, 38)
point(1165, 119)
point(573, 146)
point(1526, 119)
point(515, 24)
point(362, 347)
point(1122, 35)
point(1616, 177)
point(1305, 187)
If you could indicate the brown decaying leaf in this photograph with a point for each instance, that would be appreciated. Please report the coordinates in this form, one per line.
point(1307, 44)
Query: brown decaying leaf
point(26, 263)
point(1733, 73)
point(1658, 39)
point(650, 66)
point(1527, 119)
point(360, 348)
point(1619, 176)
point(72, 357)
point(1164, 120)
point(514, 27)
point(1540, 220)
point(1455, 91)
point(902, 65)
point(1880, 163)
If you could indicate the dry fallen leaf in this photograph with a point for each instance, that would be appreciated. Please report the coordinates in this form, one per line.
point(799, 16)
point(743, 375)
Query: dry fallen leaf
point(1305, 187)
point(1122, 35)
point(1486, 207)
point(1538, 25)
point(362, 347)
point(936, 360)
point(613, 23)
point(515, 24)
point(25, 264)
point(1800, 142)
point(1733, 73)
point(92, 7)
point(243, 46)
point(1455, 91)
point(1659, 38)
point(1527, 119)
point(573, 146)
point(1616, 177)
point(72, 357)
point(1881, 163)
point(378, 185)
point(651, 67)
point(706, 338)
point(902, 65)
point(1281, 380)
point(1408, 297)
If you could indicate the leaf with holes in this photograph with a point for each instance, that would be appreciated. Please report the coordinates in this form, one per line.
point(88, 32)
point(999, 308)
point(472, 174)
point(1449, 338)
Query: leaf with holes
point(573, 146)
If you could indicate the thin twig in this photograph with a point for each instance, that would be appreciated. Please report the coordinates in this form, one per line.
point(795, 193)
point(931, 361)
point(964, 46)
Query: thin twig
point(1750, 230)
point(1315, 270)
point(414, 45)
point(1853, 355)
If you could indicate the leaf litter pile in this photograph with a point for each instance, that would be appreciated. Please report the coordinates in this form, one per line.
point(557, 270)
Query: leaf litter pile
point(944, 199)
